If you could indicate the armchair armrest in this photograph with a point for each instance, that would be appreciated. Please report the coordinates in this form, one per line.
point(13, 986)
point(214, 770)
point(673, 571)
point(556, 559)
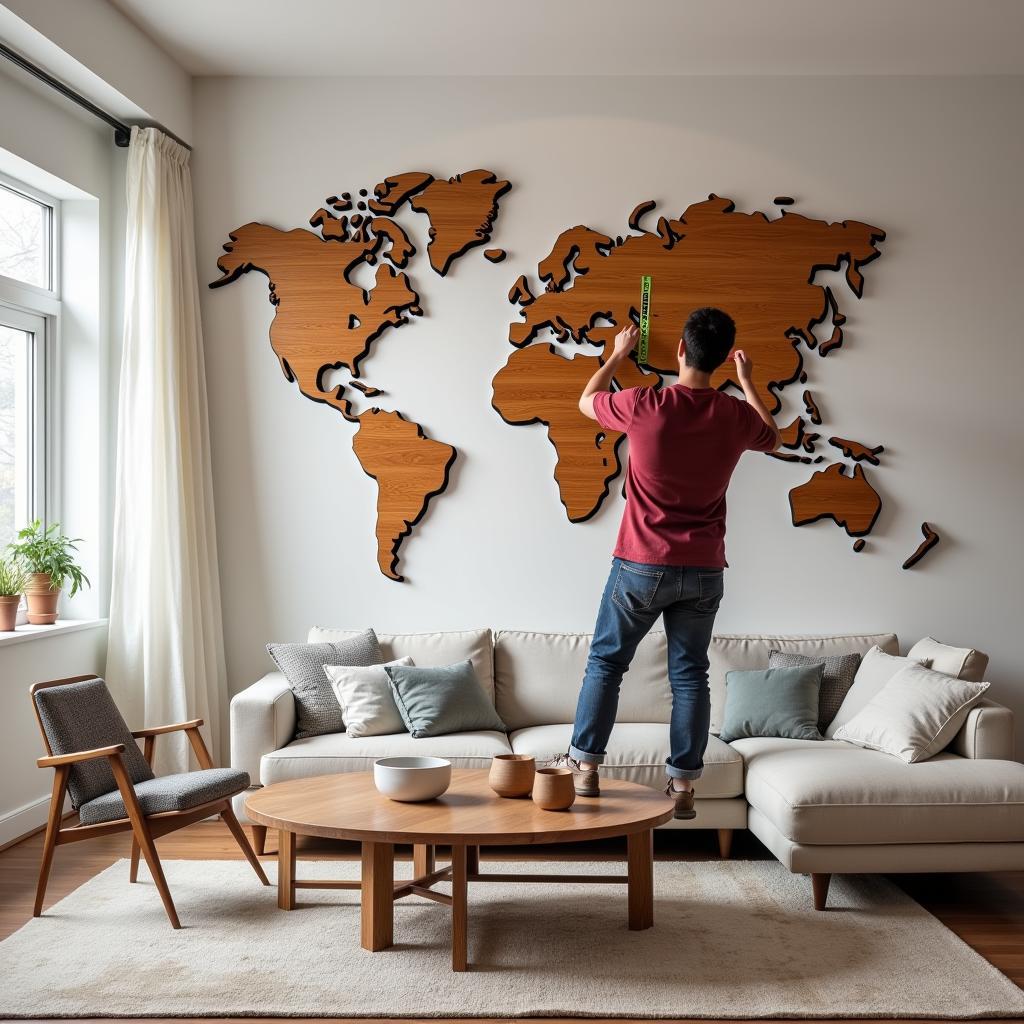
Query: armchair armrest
point(56, 760)
point(987, 733)
point(262, 720)
point(159, 730)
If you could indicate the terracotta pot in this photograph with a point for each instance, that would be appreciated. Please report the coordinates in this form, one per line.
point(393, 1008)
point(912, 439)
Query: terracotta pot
point(42, 600)
point(9, 612)
point(553, 789)
point(511, 775)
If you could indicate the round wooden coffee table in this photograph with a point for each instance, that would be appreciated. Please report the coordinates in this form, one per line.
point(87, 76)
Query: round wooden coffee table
point(469, 815)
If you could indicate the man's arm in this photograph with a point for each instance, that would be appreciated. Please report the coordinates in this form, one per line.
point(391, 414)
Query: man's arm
point(602, 380)
point(745, 370)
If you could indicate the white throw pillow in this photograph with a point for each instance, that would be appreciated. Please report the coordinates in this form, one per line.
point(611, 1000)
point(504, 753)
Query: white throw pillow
point(367, 704)
point(875, 670)
point(962, 662)
point(915, 715)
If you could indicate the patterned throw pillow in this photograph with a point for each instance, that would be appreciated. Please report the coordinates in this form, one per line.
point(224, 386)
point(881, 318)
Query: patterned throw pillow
point(836, 679)
point(316, 707)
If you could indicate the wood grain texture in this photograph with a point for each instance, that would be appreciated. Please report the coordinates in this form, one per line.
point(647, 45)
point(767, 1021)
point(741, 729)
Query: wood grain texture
point(460, 909)
point(377, 904)
point(494, 255)
point(850, 501)
point(462, 211)
point(856, 451)
point(859, 544)
point(931, 538)
point(640, 867)
point(537, 385)
point(469, 813)
point(410, 469)
point(811, 407)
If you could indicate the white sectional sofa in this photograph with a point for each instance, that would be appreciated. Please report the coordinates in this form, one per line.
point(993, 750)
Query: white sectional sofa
point(820, 807)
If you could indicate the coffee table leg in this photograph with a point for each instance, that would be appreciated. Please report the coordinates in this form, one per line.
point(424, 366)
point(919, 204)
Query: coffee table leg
point(378, 902)
point(286, 870)
point(641, 880)
point(460, 913)
point(422, 860)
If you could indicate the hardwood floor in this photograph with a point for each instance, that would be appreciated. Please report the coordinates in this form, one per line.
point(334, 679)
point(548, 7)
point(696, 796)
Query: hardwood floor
point(985, 910)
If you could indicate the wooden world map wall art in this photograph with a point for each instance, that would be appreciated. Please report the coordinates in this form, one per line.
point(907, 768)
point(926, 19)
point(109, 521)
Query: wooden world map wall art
point(323, 321)
point(760, 270)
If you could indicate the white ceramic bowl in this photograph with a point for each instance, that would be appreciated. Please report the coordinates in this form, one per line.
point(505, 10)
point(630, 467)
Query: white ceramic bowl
point(411, 779)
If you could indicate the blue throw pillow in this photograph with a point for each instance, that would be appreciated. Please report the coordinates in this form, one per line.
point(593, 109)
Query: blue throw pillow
point(438, 701)
point(772, 702)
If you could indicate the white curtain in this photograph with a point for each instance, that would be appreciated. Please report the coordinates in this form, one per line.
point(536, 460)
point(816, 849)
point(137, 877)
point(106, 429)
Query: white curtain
point(165, 660)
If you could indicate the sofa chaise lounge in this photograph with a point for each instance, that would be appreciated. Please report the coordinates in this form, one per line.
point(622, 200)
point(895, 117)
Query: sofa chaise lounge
point(821, 807)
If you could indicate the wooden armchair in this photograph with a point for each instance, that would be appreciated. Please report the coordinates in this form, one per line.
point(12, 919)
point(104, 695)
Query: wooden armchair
point(97, 760)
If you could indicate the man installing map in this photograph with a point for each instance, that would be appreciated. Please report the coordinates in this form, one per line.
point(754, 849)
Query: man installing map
point(684, 443)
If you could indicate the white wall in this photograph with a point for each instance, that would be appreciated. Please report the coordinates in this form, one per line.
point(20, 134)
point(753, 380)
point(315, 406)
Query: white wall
point(931, 367)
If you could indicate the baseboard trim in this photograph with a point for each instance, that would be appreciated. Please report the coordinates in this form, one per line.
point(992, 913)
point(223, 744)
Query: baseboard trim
point(25, 821)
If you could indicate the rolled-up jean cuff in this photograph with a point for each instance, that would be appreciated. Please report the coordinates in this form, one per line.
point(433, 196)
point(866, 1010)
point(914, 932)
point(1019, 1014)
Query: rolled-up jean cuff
point(683, 773)
point(582, 755)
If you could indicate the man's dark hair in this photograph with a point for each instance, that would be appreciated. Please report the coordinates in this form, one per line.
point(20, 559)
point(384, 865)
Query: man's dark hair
point(708, 336)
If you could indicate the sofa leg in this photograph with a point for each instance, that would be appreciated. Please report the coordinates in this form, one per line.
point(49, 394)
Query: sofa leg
point(259, 839)
point(724, 843)
point(819, 883)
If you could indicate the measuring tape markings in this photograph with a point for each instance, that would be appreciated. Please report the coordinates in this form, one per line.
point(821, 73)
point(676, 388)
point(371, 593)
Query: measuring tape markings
point(645, 320)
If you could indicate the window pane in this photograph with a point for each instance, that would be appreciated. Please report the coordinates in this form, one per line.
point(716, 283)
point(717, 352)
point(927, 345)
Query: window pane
point(15, 467)
point(24, 238)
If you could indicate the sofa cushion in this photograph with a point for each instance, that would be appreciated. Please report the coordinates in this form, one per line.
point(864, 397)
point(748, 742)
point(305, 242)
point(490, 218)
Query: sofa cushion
point(831, 794)
point(773, 702)
point(730, 652)
point(339, 752)
point(837, 675)
point(442, 700)
point(537, 678)
point(428, 649)
point(962, 662)
point(636, 753)
point(877, 667)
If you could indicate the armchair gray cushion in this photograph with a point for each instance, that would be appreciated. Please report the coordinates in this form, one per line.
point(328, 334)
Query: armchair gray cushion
point(169, 793)
point(83, 716)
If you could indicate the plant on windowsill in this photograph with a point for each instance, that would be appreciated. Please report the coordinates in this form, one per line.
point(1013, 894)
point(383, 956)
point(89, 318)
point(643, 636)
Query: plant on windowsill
point(13, 580)
point(48, 557)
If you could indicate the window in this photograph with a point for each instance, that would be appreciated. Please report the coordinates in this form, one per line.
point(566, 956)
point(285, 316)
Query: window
point(29, 312)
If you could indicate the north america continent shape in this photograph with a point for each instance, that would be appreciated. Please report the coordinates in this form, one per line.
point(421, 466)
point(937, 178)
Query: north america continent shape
point(759, 270)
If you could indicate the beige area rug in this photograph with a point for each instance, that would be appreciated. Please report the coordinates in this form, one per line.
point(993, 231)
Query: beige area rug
point(731, 939)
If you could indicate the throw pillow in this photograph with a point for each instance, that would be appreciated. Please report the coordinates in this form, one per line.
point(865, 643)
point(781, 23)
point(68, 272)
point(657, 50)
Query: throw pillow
point(772, 702)
point(876, 669)
point(367, 704)
point(915, 715)
point(836, 678)
point(437, 701)
point(962, 662)
point(316, 708)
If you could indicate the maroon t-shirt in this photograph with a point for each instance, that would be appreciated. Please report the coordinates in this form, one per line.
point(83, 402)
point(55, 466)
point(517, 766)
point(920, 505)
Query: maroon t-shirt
point(684, 444)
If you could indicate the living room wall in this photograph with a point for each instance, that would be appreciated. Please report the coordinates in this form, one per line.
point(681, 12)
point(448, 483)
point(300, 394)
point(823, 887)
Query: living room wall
point(931, 366)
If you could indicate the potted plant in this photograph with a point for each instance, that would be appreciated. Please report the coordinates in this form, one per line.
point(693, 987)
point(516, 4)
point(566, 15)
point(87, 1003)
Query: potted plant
point(13, 580)
point(48, 557)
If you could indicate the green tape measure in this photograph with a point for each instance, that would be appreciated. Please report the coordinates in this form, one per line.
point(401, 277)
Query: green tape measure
point(645, 320)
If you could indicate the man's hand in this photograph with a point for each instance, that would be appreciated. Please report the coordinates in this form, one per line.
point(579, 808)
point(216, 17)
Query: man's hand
point(744, 368)
point(625, 341)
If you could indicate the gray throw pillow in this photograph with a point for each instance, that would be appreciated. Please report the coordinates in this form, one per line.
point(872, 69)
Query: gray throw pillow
point(772, 702)
point(438, 701)
point(317, 710)
point(837, 677)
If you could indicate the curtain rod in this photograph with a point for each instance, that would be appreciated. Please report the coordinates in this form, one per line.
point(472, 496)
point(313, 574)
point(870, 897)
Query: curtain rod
point(122, 131)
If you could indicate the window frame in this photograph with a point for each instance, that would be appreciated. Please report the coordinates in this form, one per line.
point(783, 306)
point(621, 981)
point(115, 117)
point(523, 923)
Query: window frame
point(29, 307)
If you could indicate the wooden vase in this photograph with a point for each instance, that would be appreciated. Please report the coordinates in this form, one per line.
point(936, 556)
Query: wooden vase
point(42, 599)
point(511, 775)
point(553, 789)
point(9, 612)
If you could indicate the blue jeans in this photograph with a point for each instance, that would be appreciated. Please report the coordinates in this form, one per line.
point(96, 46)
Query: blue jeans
point(635, 595)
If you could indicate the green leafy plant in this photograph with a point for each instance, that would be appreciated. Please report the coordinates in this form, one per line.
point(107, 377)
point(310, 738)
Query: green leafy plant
point(47, 550)
point(13, 577)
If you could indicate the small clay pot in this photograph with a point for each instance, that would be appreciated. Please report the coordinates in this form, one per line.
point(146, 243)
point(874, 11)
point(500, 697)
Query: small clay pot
point(553, 789)
point(42, 600)
point(9, 612)
point(511, 775)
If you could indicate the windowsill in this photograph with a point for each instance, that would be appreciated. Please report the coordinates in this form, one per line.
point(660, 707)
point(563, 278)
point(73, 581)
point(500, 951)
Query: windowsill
point(29, 632)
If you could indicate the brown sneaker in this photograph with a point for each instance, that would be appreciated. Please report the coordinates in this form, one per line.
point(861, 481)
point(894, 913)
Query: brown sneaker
point(683, 802)
point(585, 780)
